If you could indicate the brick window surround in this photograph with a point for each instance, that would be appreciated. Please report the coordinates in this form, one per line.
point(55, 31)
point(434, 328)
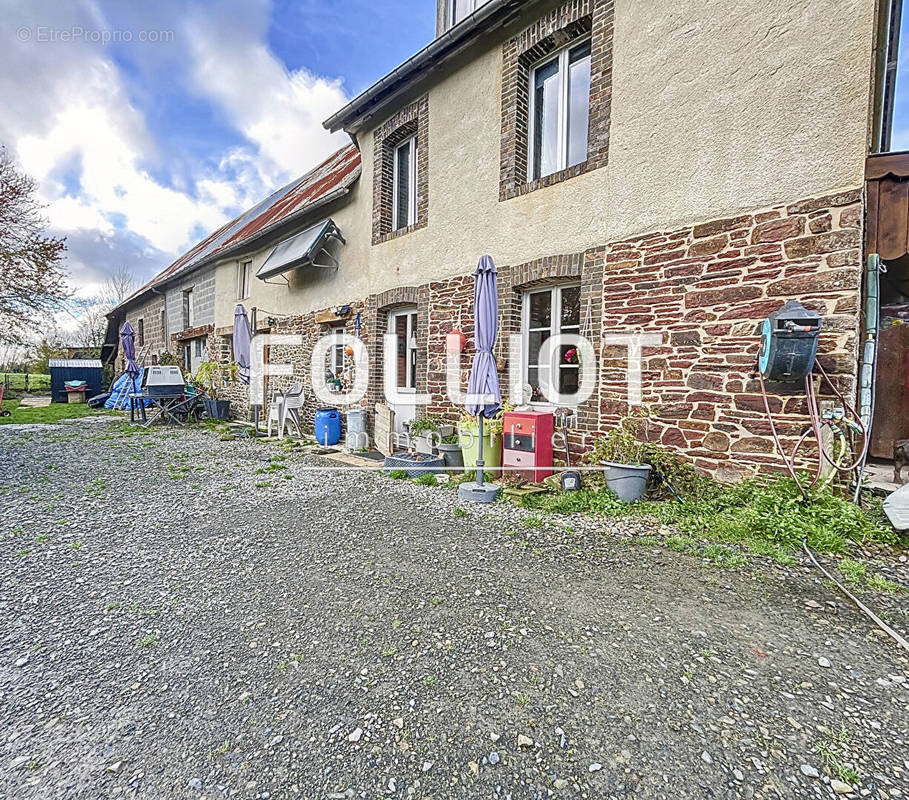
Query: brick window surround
point(410, 120)
point(520, 54)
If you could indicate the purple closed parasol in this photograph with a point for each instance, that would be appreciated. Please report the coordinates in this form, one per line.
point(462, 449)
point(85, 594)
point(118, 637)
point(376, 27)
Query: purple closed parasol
point(242, 339)
point(484, 399)
point(128, 343)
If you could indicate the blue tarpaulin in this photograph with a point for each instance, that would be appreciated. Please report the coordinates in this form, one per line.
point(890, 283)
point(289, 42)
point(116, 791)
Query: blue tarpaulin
point(122, 387)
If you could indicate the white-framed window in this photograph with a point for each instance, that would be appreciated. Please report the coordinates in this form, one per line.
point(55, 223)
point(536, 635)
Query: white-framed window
point(403, 322)
point(188, 311)
point(548, 312)
point(244, 268)
point(335, 355)
point(559, 95)
point(404, 184)
point(459, 9)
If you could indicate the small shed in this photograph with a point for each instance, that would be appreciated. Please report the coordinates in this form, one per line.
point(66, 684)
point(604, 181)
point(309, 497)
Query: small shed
point(74, 369)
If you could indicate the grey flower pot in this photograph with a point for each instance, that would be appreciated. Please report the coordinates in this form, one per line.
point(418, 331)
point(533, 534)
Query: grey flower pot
point(454, 458)
point(628, 481)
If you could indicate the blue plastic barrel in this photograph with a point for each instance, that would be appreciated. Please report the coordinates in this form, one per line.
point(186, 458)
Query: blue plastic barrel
point(328, 426)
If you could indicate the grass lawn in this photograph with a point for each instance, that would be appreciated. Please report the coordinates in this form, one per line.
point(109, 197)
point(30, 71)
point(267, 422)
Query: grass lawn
point(35, 380)
point(49, 414)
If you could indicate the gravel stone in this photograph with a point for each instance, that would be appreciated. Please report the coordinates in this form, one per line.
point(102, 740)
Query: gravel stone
point(270, 641)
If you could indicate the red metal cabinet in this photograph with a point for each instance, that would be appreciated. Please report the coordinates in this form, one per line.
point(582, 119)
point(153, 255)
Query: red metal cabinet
point(527, 444)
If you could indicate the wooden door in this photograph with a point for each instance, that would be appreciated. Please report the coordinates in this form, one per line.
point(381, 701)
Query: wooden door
point(891, 405)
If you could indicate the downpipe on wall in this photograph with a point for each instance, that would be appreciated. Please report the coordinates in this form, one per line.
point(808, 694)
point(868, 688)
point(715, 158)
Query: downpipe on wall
point(874, 267)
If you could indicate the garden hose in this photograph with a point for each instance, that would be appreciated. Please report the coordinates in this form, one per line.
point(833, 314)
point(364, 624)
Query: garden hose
point(900, 640)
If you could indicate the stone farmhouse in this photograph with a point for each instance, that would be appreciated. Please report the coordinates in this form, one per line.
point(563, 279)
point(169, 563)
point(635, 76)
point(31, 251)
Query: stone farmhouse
point(673, 169)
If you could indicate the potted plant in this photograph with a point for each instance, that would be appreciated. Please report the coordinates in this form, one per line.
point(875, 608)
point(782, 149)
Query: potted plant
point(214, 378)
point(468, 430)
point(450, 449)
point(624, 458)
point(426, 433)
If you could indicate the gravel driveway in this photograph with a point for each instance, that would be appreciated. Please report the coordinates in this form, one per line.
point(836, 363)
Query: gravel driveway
point(171, 627)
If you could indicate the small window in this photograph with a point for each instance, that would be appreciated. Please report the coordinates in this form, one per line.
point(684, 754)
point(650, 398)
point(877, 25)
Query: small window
point(461, 9)
point(188, 314)
point(140, 333)
point(164, 326)
point(335, 357)
point(404, 193)
point(549, 312)
point(559, 112)
point(244, 268)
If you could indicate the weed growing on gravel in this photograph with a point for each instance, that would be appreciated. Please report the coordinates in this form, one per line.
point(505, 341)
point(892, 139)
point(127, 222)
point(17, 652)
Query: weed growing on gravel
point(522, 699)
point(856, 572)
point(681, 544)
point(833, 763)
point(397, 475)
point(149, 640)
point(221, 750)
point(460, 512)
point(769, 518)
point(533, 522)
point(427, 479)
point(719, 556)
point(96, 488)
point(263, 484)
point(430, 680)
point(436, 601)
point(76, 545)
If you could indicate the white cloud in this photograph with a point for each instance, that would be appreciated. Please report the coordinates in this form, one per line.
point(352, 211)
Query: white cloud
point(66, 108)
point(280, 111)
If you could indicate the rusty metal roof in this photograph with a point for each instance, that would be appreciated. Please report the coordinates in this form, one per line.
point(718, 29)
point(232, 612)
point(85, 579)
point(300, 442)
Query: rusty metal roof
point(338, 172)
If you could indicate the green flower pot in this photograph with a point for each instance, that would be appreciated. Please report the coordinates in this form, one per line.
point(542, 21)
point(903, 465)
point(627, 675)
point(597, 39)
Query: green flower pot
point(492, 451)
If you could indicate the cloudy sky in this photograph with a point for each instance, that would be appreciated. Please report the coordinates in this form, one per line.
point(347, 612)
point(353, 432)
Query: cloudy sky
point(148, 124)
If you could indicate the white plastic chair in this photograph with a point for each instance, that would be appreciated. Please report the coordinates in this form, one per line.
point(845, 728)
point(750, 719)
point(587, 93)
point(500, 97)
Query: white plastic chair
point(290, 409)
point(276, 414)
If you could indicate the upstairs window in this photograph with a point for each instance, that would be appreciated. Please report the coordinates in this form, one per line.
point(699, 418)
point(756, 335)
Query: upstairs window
point(559, 111)
point(400, 173)
point(244, 268)
point(141, 332)
point(188, 314)
point(459, 9)
point(405, 184)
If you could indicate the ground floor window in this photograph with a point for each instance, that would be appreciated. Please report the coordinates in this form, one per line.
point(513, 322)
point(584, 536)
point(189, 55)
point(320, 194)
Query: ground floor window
point(548, 312)
point(404, 324)
point(334, 366)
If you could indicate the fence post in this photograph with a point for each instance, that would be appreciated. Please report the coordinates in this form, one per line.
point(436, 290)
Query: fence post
point(26, 383)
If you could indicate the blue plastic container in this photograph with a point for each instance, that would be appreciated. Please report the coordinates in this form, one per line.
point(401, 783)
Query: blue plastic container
point(328, 426)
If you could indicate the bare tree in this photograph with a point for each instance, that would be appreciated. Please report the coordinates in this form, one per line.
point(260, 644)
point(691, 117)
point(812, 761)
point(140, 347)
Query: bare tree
point(32, 280)
point(119, 285)
point(91, 316)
